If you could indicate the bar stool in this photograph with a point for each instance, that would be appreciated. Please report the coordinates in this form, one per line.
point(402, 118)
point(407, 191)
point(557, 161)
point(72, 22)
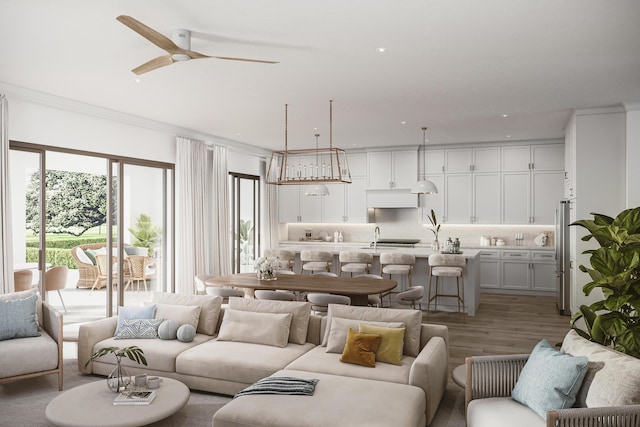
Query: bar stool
point(355, 262)
point(286, 257)
point(447, 265)
point(315, 260)
point(396, 263)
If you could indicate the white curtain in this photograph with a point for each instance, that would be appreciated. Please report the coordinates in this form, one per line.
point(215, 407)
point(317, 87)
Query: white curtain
point(202, 212)
point(6, 240)
point(271, 234)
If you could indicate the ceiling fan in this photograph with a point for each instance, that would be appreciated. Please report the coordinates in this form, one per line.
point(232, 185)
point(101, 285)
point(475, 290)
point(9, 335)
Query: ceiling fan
point(178, 49)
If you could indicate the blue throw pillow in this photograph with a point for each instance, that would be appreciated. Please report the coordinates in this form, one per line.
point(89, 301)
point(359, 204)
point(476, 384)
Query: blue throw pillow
point(550, 379)
point(144, 312)
point(139, 328)
point(18, 318)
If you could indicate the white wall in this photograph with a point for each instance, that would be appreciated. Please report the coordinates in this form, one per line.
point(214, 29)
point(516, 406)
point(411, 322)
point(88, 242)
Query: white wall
point(633, 154)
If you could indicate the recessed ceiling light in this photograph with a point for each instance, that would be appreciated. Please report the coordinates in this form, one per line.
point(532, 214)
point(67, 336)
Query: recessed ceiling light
point(403, 123)
point(381, 49)
point(508, 136)
point(505, 115)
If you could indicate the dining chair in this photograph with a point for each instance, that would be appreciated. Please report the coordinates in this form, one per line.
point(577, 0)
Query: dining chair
point(412, 296)
point(137, 265)
point(225, 293)
point(22, 280)
point(274, 295)
point(320, 302)
point(56, 279)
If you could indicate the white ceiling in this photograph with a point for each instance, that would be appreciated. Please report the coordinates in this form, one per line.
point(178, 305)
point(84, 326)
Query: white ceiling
point(455, 66)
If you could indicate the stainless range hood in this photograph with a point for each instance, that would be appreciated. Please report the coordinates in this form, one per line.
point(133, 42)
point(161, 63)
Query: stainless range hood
point(391, 199)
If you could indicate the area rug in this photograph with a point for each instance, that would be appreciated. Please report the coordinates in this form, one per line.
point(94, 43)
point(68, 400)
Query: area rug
point(24, 402)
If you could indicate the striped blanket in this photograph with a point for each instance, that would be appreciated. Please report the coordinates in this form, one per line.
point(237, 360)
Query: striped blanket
point(281, 385)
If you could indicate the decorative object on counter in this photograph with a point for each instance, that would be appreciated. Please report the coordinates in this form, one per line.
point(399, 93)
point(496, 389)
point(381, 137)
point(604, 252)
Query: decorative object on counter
point(307, 234)
point(519, 239)
point(331, 164)
point(336, 236)
point(615, 270)
point(500, 242)
point(541, 239)
point(435, 229)
point(266, 268)
point(119, 379)
point(424, 186)
point(340, 238)
point(485, 241)
point(451, 247)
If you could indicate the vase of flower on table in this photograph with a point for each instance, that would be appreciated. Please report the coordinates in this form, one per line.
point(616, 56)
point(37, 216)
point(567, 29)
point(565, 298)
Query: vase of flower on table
point(266, 268)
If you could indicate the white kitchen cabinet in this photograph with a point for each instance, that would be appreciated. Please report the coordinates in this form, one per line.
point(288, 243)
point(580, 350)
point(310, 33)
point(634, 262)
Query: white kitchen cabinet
point(458, 160)
point(392, 169)
point(543, 271)
point(434, 160)
point(515, 270)
point(486, 159)
point(515, 197)
point(486, 198)
point(515, 158)
point(547, 157)
point(547, 190)
point(294, 206)
point(345, 202)
point(458, 198)
point(490, 269)
point(531, 197)
point(357, 164)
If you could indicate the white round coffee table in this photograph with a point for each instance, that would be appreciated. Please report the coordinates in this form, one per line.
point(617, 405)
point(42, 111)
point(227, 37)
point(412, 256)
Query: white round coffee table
point(92, 404)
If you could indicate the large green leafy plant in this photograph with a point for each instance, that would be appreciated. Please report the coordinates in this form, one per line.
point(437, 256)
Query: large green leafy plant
point(615, 270)
point(145, 233)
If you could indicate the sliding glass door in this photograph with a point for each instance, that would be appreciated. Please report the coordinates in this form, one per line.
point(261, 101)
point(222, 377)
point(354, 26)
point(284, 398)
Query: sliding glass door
point(245, 216)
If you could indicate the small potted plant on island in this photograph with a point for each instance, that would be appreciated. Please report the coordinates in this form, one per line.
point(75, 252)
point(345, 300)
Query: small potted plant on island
point(119, 378)
point(435, 229)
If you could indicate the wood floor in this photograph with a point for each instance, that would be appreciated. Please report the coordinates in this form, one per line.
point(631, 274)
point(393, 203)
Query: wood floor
point(504, 324)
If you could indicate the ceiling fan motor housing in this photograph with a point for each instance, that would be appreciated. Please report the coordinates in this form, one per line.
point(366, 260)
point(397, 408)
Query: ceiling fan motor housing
point(182, 39)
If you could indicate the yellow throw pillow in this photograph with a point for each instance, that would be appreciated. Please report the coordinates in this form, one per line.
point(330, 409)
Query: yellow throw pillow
point(391, 342)
point(360, 349)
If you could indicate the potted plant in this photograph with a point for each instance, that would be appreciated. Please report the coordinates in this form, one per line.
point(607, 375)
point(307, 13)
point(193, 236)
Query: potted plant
point(119, 378)
point(146, 234)
point(615, 270)
point(435, 229)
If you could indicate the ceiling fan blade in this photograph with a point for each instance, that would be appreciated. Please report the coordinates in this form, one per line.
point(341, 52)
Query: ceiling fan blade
point(149, 33)
point(228, 58)
point(156, 63)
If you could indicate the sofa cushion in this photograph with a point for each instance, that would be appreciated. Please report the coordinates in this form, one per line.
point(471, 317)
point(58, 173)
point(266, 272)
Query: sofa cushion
point(183, 314)
point(18, 318)
point(25, 294)
point(360, 349)
point(300, 311)
point(254, 327)
point(612, 379)
point(482, 413)
point(138, 328)
point(209, 308)
point(135, 312)
point(391, 342)
point(411, 318)
point(34, 354)
point(340, 327)
point(238, 362)
point(550, 379)
point(318, 360)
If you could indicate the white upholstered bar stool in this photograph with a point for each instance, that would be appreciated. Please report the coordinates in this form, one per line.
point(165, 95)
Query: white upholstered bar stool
point(396, 263)
point(446, 265)
point(313, 261)
point(286, 257)
point(320, 302)
point(355, 262)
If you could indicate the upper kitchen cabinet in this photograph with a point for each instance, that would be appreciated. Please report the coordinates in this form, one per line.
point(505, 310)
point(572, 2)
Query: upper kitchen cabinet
point(486, 159)
point(357, 164)
point(346, 202)
point(435, 162)
point(294, 206)
point(458, 160)
point(542, 157)
point(391, 170)
point(516, 158)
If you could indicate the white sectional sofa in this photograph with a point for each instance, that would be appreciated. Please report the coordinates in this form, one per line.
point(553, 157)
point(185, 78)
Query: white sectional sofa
point(248, 341)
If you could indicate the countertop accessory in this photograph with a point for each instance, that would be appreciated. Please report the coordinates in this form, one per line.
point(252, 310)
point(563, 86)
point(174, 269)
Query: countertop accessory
point(541, 239)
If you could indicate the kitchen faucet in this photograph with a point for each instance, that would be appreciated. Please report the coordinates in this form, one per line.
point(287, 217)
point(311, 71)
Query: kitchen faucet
point(376, 236)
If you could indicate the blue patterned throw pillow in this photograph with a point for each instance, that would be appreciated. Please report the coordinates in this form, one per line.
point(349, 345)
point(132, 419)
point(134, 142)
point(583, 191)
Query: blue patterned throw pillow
point(18, 318)
point(550, 379)
point(139, 328)
point(144, 312)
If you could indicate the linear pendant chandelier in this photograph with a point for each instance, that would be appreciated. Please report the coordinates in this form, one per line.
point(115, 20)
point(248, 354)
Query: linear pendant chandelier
point(309, 166)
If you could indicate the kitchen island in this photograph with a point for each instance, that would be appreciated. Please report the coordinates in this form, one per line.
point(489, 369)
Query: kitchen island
point(420, 271)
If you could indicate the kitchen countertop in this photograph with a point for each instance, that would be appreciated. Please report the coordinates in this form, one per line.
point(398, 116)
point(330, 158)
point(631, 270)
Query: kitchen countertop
point(337, 247)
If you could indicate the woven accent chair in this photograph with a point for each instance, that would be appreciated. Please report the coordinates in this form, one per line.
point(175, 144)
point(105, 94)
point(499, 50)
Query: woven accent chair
point(355, 262)
point(101, 279)
point(137, 270)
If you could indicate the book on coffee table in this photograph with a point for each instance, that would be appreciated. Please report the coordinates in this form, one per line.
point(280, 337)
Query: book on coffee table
point(135, 398)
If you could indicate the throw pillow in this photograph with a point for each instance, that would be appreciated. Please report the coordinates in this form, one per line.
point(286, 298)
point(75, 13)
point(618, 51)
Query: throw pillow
point(412, 320)
point(258, 328)
point(361, 349)
point(91, 254)
point(143, 312)
point(550, 379)
point(612, 378)
point(209, 308)
point(23, 295)
point(183, 314)
point(186, 333)
point(168, 330)
point(339, 328)
point(391, 342)
point(138, 328)
point(18, 318)
point(301, 311)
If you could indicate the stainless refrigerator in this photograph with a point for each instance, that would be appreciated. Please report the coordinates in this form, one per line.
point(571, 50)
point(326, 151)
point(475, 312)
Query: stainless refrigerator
point(563, 271)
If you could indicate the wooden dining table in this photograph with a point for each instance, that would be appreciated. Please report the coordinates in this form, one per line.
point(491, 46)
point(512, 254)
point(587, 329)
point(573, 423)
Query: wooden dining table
point(356, 288)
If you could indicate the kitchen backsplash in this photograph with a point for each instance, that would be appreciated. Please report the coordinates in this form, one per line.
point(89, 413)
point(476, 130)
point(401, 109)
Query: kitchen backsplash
point(403, 224)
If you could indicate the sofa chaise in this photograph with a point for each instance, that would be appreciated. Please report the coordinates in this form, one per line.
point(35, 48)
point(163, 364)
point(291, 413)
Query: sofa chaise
point(246, 342)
